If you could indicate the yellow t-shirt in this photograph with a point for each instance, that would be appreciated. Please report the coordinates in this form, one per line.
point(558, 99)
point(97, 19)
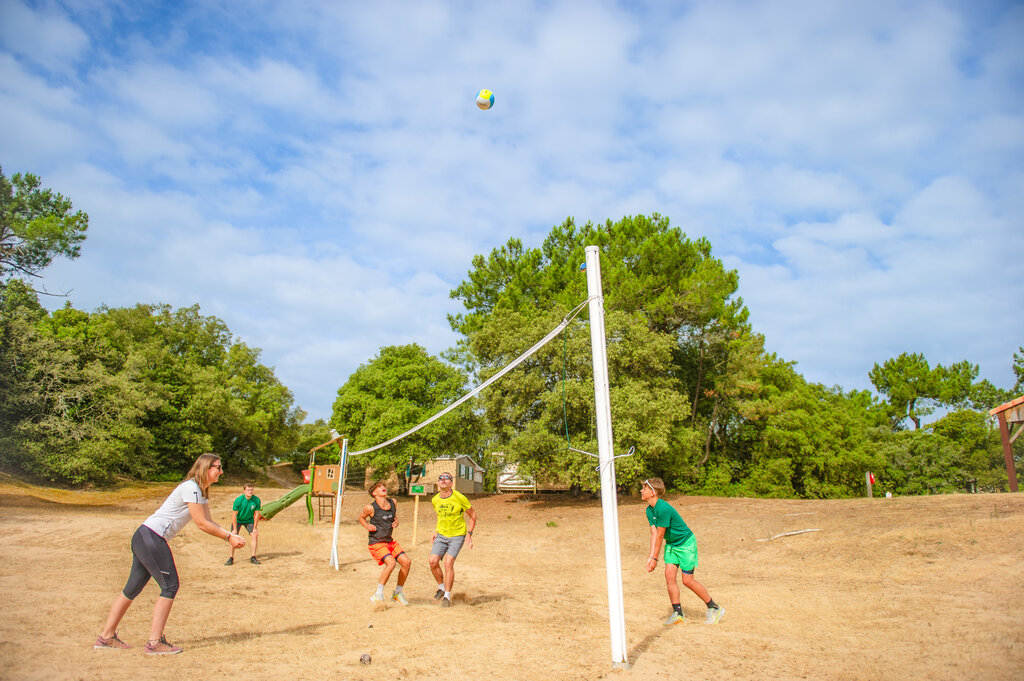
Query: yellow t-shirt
point(449, 511)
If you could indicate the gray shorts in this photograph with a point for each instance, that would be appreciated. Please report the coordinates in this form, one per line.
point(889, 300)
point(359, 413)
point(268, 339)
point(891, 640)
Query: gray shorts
point(447, 545)
point(247, 526)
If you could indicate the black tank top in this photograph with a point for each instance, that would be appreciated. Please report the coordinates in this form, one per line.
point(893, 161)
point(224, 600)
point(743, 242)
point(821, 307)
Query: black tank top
point(382, 521)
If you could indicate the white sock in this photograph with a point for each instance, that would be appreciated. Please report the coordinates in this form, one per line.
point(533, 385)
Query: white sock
point(441, 587)
point(380, 589)
point(448, 595)
point(398, 589)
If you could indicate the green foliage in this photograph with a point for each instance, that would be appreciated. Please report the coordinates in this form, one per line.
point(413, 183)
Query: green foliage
point(135, 392)
point(398, 389)
point(36, 225)
point(914, 389)
point(691, 385)
point(1018, 370)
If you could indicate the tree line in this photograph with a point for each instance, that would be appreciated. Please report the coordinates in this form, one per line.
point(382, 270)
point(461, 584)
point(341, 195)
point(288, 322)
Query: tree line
point(138, 392)
point(692, 389)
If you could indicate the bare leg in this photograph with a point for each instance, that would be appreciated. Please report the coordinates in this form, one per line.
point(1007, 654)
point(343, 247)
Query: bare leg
point(449, 573)
point(117, 611)
point(254, 539)
point(696, 587)
point(435, 569)
point(160, 613)
point(670, 582)
point(385, 574)
point(403, 573)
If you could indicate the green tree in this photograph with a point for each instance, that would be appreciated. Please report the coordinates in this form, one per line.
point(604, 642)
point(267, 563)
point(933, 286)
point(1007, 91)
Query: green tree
point(36, 225)
point(661, 290)
point(1018, 370)
point(400, 388)
point(913, 389)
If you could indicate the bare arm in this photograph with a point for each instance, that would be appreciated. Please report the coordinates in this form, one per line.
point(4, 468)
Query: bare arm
point(367, 512)
point(201, 517)
point(657, 534)
point(471, 512)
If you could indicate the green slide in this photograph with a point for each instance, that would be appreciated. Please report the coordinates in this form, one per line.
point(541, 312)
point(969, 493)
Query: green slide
point(272, 508)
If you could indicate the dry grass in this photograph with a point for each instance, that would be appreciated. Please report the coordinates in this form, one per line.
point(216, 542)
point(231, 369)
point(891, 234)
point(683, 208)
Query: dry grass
point(889, 589)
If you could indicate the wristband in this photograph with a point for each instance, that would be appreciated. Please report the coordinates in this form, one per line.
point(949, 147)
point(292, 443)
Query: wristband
point(470, 533)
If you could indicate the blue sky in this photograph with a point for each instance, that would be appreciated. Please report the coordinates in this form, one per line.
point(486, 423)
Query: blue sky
point(317, 175)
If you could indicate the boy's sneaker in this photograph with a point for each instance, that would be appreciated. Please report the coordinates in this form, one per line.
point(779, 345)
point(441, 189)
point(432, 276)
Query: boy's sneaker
point(161, 647)
point(675, 618)
point(715, 614)
point(254, 561)
point(112, 643)
point(400, 599)
point(230, 561)
point(439, 594)
point(377, 598)
point(445, 603)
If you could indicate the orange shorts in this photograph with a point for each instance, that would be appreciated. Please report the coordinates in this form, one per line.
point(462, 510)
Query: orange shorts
point(384, 549)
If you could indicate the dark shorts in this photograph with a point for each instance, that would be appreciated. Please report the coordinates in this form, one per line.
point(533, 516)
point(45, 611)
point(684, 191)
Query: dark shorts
point(247, 526)
point(151, 557)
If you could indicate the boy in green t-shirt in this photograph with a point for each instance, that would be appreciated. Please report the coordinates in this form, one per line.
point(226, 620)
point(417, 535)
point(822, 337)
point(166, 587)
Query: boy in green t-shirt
point(245, 512)
point(452, 532)
point(680, 551)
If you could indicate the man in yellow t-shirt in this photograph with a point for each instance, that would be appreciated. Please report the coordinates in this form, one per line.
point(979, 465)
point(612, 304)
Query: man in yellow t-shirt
point(452, 532)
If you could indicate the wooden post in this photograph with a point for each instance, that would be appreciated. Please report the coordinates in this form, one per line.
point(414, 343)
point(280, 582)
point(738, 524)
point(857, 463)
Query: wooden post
point(415, 519)
point(867, 481)
point(417, 491)
point(1004, 435)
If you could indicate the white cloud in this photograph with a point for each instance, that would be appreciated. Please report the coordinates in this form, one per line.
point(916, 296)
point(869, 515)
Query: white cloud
point(317, 175)
point(47, 38)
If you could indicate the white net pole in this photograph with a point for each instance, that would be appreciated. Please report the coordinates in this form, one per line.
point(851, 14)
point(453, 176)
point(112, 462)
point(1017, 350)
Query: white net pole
point(606, 455)
point(342, 467)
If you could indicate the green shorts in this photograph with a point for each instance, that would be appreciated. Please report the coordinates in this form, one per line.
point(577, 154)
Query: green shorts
point(684, 555)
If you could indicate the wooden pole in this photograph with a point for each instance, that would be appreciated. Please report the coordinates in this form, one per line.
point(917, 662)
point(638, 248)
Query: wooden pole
point(1004, 435)
point(867, 481)
point(415, 519)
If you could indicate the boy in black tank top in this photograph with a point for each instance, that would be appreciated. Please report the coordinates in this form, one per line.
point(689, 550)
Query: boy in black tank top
point(380, 517)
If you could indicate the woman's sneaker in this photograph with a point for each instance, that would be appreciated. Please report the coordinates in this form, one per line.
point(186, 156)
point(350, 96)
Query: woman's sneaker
point(161, 647)
point(112, 643)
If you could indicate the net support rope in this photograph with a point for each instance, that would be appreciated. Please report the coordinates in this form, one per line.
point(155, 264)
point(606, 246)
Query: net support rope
point(516, 362)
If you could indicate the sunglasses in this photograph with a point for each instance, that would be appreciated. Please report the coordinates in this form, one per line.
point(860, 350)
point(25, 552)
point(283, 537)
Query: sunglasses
point(217, 465)
point(444, 477)
point(648, 483)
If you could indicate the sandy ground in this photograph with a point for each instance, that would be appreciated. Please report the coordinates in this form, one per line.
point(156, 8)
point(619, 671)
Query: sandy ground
point(907, 588)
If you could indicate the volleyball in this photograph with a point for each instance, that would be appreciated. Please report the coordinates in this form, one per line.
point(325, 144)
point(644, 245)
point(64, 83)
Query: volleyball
point(485, 99)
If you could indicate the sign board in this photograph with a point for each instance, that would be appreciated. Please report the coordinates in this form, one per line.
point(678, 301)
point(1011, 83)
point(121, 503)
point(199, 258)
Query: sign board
point(416, 489)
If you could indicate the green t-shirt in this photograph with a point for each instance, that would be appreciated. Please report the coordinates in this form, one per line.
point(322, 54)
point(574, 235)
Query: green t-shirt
point(449, 511)
point(663, 515)
point(246, 509)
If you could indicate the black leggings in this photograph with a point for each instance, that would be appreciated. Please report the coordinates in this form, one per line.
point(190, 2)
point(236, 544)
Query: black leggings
point(151, 557)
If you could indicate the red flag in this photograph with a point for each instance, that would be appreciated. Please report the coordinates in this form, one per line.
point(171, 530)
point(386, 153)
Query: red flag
point(871, 477)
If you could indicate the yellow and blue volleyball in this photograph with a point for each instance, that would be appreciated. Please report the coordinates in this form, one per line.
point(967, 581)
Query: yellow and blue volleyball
point(485, 99)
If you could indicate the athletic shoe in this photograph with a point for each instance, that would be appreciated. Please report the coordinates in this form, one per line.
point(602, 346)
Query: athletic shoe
point(445, 603)
point(400, 599)
point(715, 614)
point(439, 594)
point(230, 561)
point(675, 618)
point(112, 643)
point(161, 647)
point(377, 598)
point(254, 561)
